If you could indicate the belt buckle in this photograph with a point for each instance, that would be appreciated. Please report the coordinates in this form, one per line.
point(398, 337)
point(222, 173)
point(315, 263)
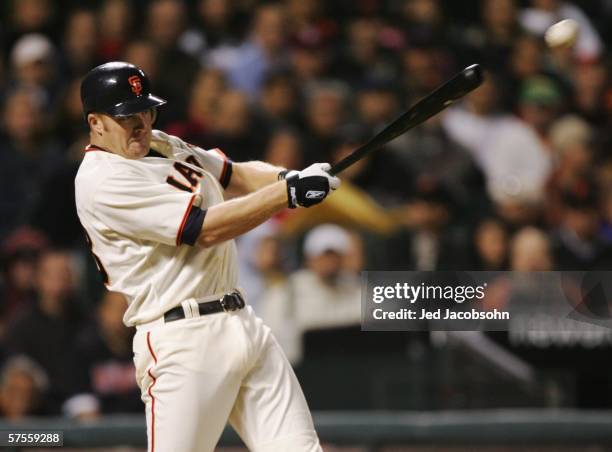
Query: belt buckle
point(231, 302)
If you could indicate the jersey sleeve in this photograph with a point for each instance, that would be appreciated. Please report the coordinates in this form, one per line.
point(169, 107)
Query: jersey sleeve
point(133, 206)
point(214, 161)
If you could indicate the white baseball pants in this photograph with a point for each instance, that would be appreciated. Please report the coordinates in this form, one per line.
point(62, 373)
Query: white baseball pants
point(197, 373)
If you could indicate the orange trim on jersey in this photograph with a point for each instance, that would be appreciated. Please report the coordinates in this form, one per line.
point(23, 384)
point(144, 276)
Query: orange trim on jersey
point(150, 391)
point(225, 164)
point(219, 151)
point(93, 147)
point(180, 231)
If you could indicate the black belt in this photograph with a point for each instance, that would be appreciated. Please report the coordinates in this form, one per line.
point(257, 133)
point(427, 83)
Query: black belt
point(228, 302)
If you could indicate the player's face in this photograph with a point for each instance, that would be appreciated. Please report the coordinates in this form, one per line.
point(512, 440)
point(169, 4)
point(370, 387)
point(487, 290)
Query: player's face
point(129, 136)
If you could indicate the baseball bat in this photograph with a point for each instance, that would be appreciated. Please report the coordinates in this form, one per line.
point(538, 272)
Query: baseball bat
point(461, 84)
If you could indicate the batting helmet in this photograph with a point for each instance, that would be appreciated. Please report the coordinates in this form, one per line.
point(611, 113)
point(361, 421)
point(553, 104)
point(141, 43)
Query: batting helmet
point(118, 89)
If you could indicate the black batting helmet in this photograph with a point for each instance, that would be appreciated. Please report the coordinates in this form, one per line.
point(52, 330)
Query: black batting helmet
point(118, 89)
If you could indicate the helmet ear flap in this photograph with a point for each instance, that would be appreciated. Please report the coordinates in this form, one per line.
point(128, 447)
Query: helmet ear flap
point(153, 115)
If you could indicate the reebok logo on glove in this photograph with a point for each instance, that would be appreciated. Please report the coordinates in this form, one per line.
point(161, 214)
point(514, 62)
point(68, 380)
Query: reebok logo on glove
point(314, 194)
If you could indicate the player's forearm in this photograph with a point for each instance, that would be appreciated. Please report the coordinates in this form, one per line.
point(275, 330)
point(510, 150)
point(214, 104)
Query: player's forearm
point(248, 177)
point(230, 219)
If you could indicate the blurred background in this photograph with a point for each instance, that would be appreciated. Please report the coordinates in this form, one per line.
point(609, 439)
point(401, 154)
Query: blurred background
point(518, 176)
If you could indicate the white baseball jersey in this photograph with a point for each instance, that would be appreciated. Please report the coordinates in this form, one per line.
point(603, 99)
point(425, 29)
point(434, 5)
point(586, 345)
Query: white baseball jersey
point(142, 218)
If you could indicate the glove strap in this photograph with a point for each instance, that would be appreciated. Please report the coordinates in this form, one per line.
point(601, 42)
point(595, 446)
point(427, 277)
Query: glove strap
point(292, 200)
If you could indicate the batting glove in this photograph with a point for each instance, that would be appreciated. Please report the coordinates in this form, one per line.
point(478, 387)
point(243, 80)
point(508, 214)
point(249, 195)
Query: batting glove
point(311, 185)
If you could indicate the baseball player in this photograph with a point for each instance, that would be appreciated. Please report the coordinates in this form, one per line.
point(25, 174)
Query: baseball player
point(161, 231)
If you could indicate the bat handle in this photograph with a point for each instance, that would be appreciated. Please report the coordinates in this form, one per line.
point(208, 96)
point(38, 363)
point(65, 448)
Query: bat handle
point(347, 161)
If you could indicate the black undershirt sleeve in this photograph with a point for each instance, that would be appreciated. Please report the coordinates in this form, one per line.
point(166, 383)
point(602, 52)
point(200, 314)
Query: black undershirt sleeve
point(193, 226)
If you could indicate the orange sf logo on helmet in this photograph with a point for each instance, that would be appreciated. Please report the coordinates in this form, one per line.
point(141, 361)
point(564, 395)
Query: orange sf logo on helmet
point(136, 85)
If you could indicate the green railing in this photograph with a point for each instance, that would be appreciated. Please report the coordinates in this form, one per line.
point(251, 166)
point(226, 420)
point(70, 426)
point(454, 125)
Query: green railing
point(487, 427)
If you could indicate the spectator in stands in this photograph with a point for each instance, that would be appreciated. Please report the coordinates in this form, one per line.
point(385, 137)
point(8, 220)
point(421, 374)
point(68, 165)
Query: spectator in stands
point(104, 354)
point(218, 23)
point(309, 18)
point(591, 80)
point(80, 43)
point(310, 56)
point(22, 389)
point(491, 246)
point(115, 18)
point(510, 154)
point(425, 21)
point(606, 212)
point(34, 67)
point(27, 156)
point(264, 265)
point(425, 66)
point(203, 107)
point(381, 174)
point(572, 143)
point(20, 252)
point(540, 103)
point(322, 295)
point(491, 43)
point(69, 121)
point(430, 151)
point(28, 16)
point(577, 245)
point(166, 23)
point(530, 251)
point(284, 149)
point(360, 55)
point(377, 103)
point(525, 62)
point(278, 104)
point(46, 333)
point(233, 128)
point(264, 51)
point(428, 239)
point(325, 112)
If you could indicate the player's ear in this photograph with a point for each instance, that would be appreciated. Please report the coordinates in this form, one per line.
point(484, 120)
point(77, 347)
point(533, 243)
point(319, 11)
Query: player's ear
point(95, 123)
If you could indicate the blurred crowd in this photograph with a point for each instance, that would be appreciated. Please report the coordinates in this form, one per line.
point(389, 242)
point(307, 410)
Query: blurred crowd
point(515, 177)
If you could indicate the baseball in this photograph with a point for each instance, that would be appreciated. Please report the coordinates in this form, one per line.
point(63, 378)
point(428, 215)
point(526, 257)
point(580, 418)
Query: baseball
point(562, 34)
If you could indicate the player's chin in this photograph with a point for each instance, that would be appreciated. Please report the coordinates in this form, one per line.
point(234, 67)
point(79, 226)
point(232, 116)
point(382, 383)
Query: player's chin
point(138, 148)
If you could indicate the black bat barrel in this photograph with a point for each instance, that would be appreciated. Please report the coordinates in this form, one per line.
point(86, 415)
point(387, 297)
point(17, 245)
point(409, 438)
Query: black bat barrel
point(461, 84)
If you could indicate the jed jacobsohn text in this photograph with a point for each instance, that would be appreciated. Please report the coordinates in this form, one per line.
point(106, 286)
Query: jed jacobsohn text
point(414, 293)
point(439, 314)
point(410, 293)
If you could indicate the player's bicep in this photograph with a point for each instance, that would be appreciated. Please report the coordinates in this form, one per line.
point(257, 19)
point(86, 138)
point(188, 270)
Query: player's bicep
point(141, 210)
